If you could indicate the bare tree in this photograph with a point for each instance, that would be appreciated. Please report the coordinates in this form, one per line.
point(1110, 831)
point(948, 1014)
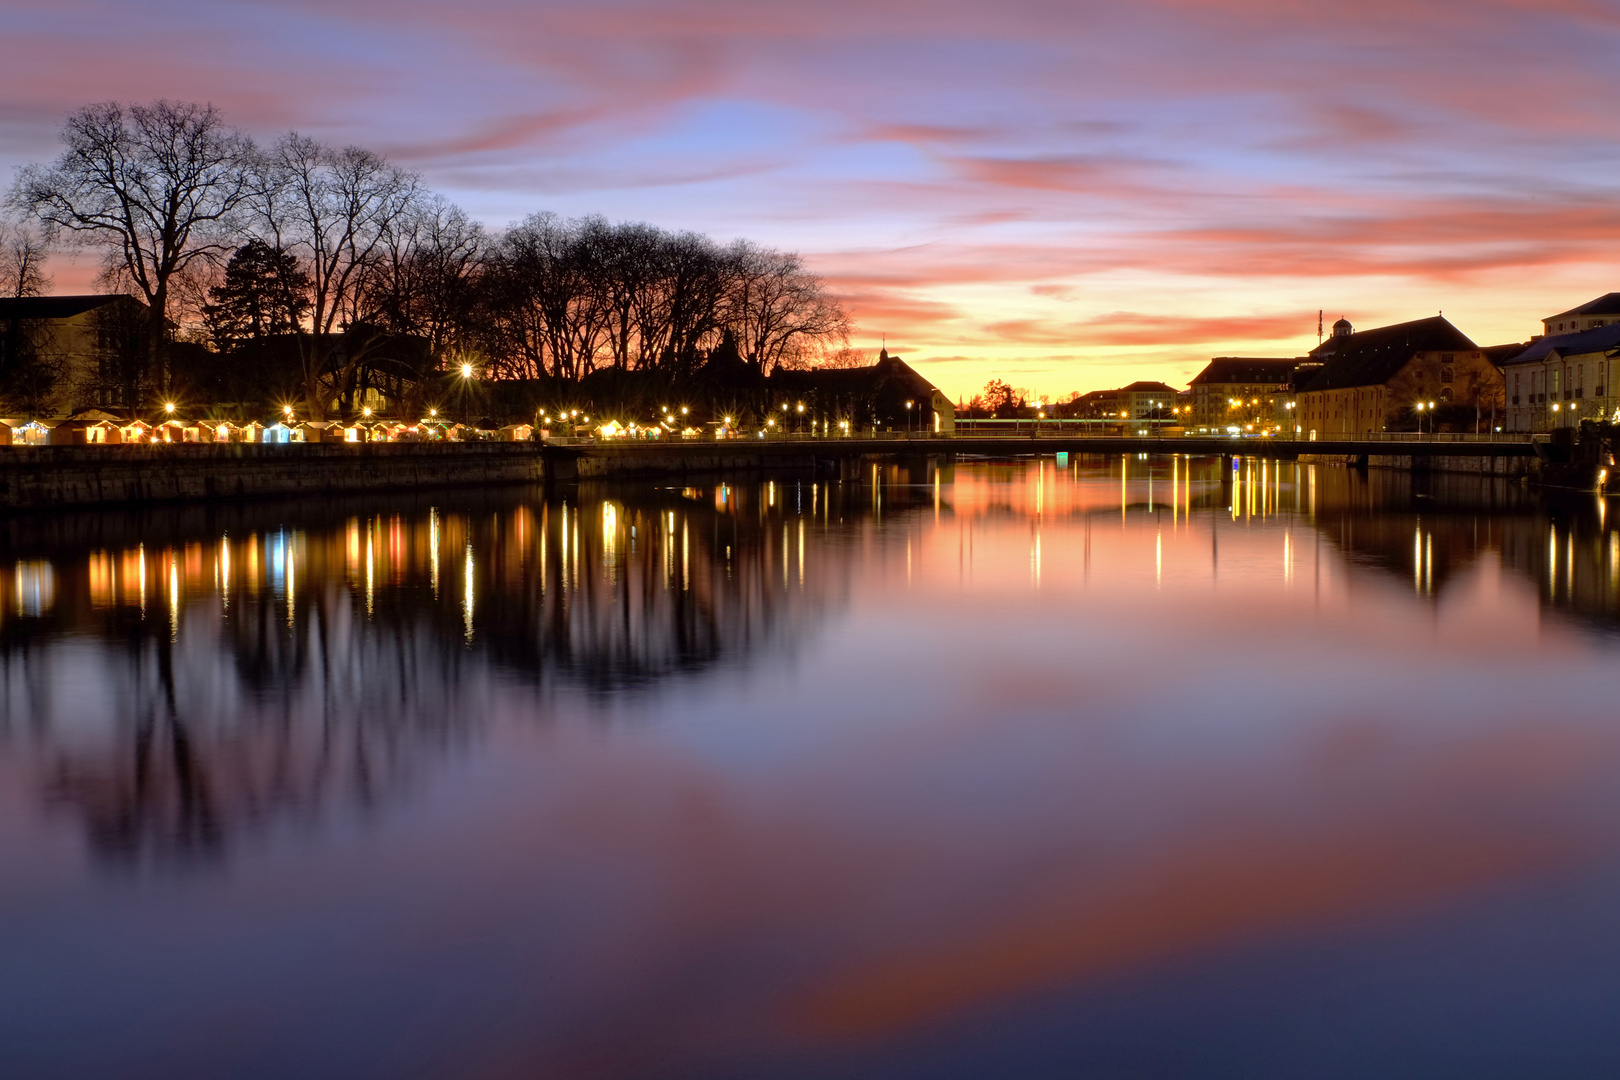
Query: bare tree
point(334, 210)
point(564, 298)
point(778, 309)
point(843, 359)
point(159, 187)
point(22, 261)
point(28, 371)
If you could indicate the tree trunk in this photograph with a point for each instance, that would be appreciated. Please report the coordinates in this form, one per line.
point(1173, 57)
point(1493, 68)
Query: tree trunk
point(157, 351)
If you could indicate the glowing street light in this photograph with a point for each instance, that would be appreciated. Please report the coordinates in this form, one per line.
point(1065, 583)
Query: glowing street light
point(466, 405)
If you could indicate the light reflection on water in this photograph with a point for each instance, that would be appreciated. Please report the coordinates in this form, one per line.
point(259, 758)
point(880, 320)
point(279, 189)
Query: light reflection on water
point(1161, 766)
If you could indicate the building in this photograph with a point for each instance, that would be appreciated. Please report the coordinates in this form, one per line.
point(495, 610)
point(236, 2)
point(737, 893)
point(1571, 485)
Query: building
point(1604, 311)
point(889, 395)
point(1560, 380)
point(1374, 380)
point(1145, 400)
point(64, 353)
point(1240, 390)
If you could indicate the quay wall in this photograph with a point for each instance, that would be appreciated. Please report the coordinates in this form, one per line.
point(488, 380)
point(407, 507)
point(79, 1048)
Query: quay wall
point(1512, 467)
point(43, 477)
point(39, 477)
point(677, 459)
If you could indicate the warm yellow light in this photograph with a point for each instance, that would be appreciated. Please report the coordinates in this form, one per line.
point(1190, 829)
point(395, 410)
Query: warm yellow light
point(168, 407)
point(367, 410)
point(433, 412)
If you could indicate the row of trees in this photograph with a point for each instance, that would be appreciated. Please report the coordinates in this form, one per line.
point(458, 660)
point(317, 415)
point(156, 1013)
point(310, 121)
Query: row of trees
point(339, 250)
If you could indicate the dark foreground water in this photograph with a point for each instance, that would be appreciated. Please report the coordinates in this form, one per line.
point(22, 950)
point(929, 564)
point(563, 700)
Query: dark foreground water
point(1089, 769)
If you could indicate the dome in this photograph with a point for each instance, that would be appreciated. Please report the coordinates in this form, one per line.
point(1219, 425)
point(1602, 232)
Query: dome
point(1342, 328)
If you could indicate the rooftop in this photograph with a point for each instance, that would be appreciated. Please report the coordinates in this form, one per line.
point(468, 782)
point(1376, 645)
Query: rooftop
point(1603, 339)
point(1372, 357)
point(1607, 304)
point(55, 307)
point(1246, 369)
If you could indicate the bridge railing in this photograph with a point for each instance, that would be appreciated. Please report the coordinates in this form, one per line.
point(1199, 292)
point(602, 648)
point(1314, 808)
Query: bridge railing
point(1029, 431)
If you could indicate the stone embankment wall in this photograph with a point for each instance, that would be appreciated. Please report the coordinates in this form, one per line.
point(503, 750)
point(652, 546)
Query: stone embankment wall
point(675, 459)
point(44, 477)
point(1528, 467)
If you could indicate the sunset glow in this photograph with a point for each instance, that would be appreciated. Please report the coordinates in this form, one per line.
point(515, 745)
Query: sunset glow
point(1066, 196)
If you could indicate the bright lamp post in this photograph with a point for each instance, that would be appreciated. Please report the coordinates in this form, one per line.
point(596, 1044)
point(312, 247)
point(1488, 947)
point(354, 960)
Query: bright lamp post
point(466, 388)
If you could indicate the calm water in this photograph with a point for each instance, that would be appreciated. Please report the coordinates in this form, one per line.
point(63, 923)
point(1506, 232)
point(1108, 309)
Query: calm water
point(1098, 768)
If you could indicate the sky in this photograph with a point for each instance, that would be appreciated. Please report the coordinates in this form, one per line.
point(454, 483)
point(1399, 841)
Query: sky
point(1067, 195)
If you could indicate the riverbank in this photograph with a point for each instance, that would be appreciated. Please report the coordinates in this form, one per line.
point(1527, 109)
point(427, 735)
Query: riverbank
point(56, 477)
point(50, 477)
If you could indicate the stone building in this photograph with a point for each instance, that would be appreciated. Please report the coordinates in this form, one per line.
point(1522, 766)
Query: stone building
point(1603, 311)
point(60, 354)
point(1372, 380)
point(1235, 390)
point(1560, 380)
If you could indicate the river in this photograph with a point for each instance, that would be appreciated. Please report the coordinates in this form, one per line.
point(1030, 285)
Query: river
point(1040, 768)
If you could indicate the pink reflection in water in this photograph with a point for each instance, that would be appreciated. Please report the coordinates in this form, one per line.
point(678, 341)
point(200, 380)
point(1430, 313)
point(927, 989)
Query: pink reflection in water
point(1048, 727)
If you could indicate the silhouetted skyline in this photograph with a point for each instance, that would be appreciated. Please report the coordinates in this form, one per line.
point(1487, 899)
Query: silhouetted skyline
point(1066, 196)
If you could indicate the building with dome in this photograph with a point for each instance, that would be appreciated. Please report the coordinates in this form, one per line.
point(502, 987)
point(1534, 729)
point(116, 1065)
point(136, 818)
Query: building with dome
point(1373, 380)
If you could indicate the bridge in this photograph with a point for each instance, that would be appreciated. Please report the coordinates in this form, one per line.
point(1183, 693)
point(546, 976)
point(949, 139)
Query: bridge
point(573, 459)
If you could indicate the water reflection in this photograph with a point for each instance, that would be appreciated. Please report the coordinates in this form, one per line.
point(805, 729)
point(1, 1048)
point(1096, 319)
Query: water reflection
point(187, 672)
point(245, 662)
point(906, 773)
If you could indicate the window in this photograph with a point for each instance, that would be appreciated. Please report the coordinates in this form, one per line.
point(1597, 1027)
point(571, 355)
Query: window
point(1446, 358)
point(1445, 394)
point(1445, 374)
point(1515, 399)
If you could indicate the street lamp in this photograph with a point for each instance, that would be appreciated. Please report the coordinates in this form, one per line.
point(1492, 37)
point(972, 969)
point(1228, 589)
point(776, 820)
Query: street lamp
point(466, 404)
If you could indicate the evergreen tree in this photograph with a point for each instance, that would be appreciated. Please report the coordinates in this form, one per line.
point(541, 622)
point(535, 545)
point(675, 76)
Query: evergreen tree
point(264, 294)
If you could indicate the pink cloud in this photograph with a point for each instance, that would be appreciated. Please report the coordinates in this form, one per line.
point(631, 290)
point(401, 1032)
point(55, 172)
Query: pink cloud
point(911, 149)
